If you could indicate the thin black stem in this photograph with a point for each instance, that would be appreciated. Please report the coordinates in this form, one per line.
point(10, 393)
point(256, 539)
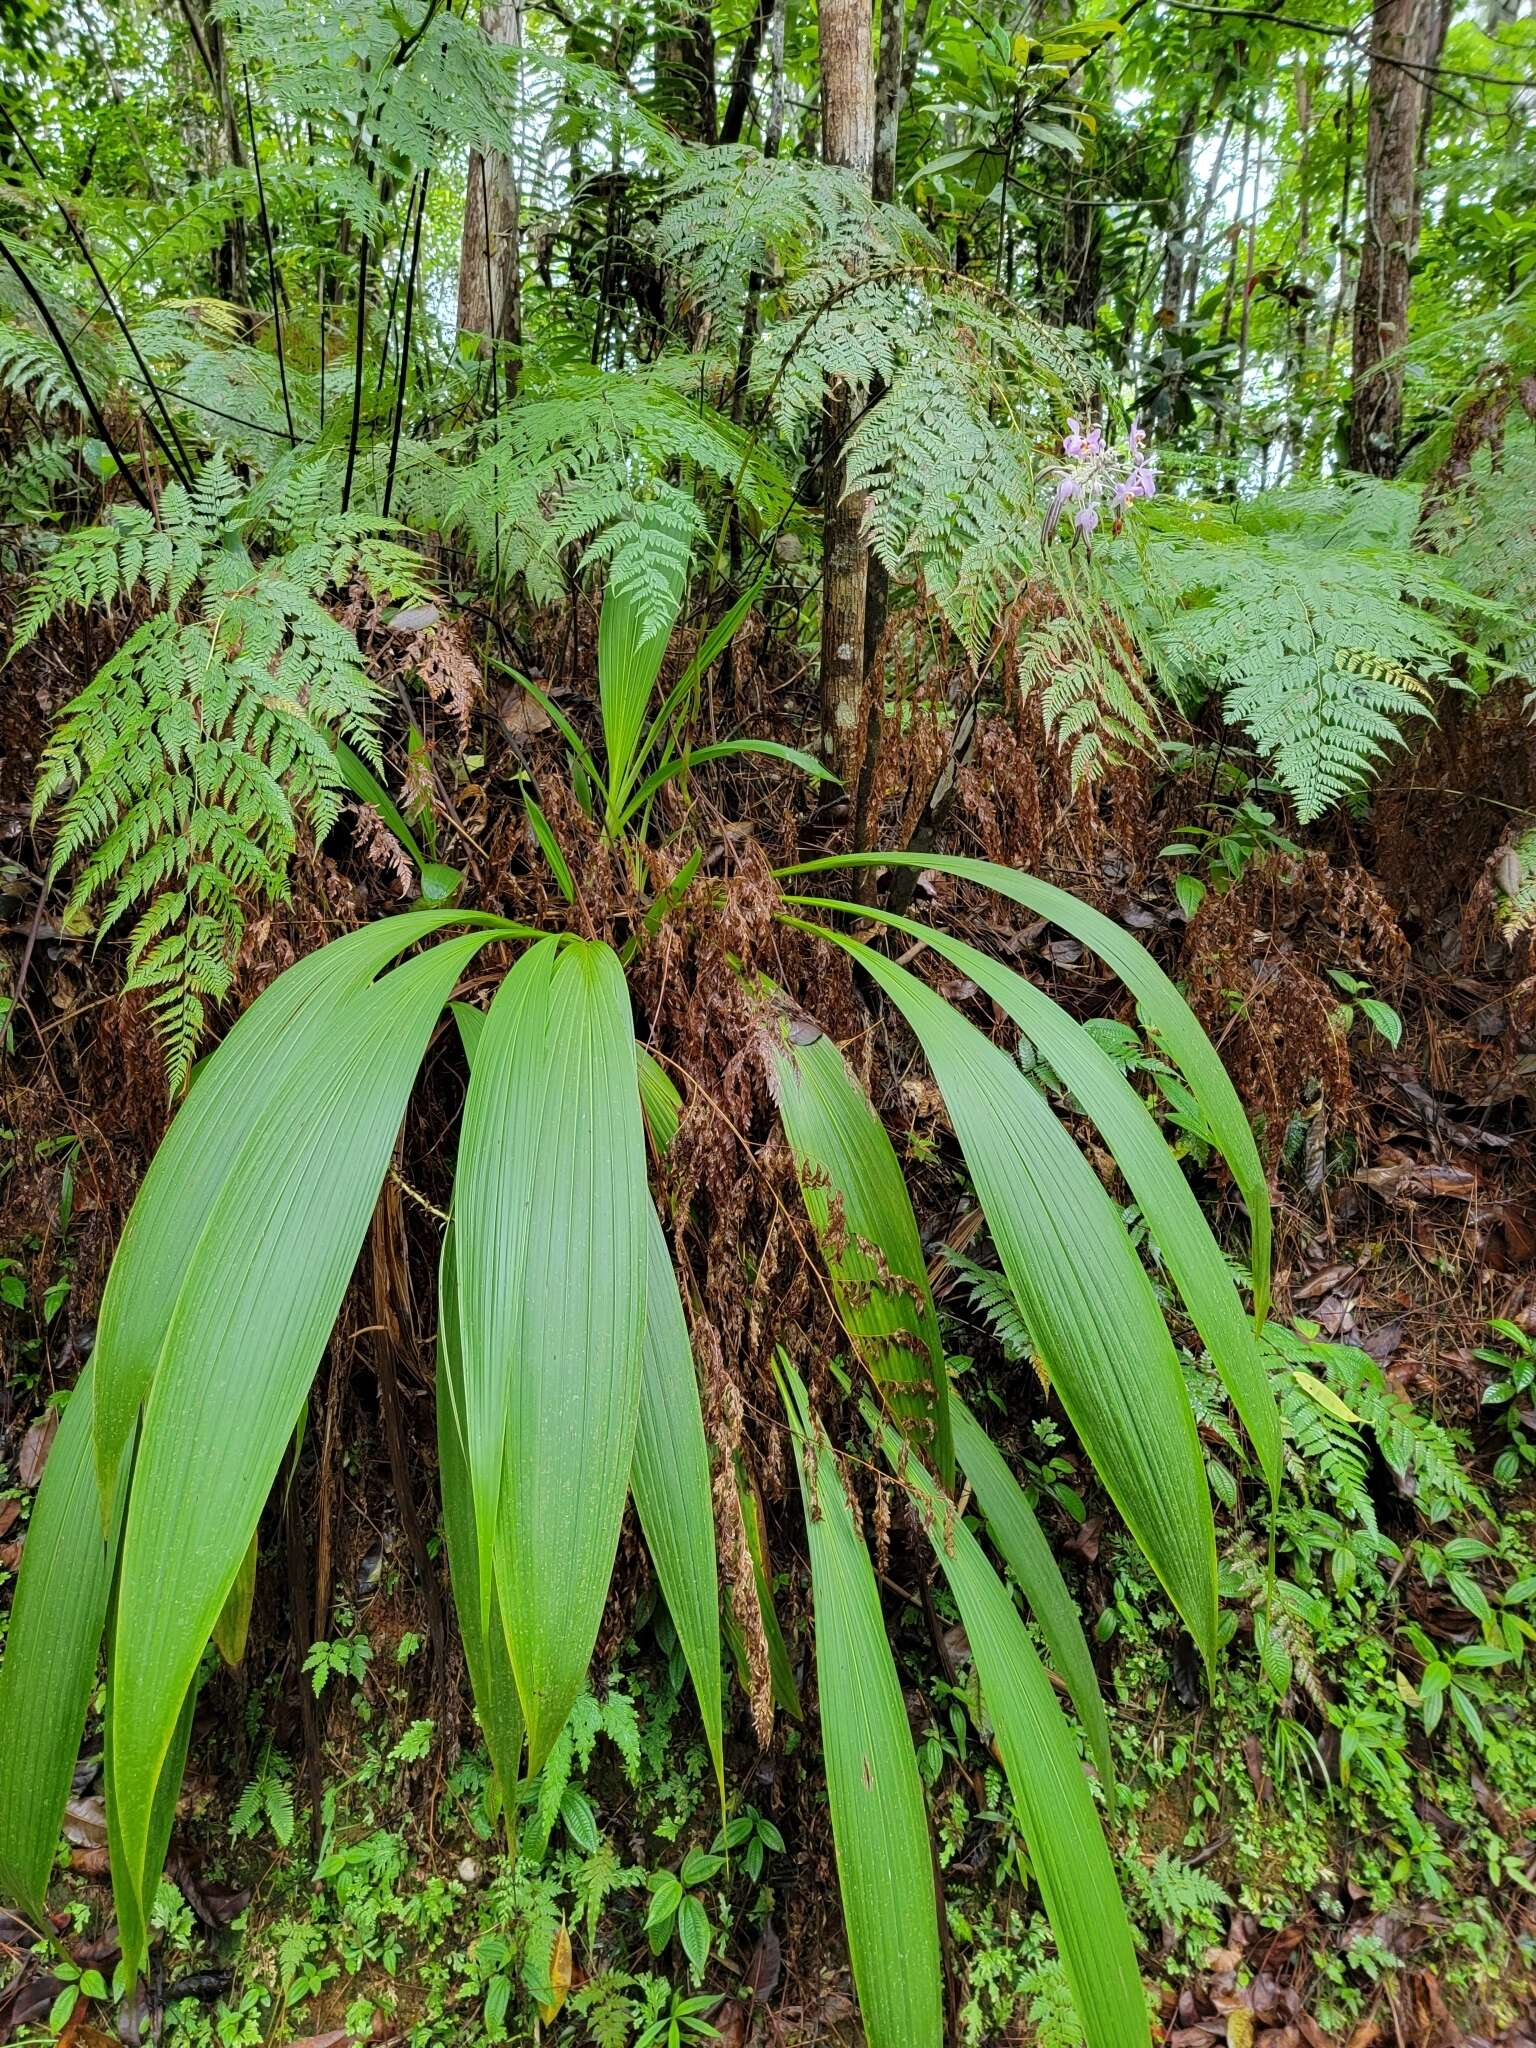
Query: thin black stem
point(357, 372)
point(405, 345)
point(175, 457)
point(97, 419)
point(266, 234)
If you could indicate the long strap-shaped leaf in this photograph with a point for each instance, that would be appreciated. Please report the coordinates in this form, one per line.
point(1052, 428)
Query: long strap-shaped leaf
point(1166, 1198)
point(210, 1141)
point(1162, 1007)
point(859, 1207)
point(242, 1339)
point(1066, 1846)
point(1087, 1303)
point(133, 1896)
point(670, 1475)
point(670, 1483)
point(485, 1649)
point(550, 1220)
point(879, 1827)
point(496, 1189)
point(1022, 1543)
point(58, 1612)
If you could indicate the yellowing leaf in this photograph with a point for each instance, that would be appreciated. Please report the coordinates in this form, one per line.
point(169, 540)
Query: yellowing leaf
point(559, 1974)
point(1323, 1395)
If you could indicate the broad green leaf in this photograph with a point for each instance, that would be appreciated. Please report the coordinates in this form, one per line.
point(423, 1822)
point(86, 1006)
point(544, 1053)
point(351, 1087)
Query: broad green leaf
point(234, 1623)
point(218, 1135)
point(1067, 1851)
point(1024, 1549)
point(550, 1220)
point(495, 1193)
point(631, 646)
point(58, 1612)
point(862, 1214)
point(1085, 1299)
point(670, 1474)
point(133, 1894)
point(1163, 1009)
point(879, 1826)
point(659, 1099)
point(485, 1650)
point(1150, 1168)
point(670, 1483)
point(244, 1332)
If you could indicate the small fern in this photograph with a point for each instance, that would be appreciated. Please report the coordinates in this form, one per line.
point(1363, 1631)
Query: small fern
point(1517, 883)
point(1317, 627)
point(1330, 1395)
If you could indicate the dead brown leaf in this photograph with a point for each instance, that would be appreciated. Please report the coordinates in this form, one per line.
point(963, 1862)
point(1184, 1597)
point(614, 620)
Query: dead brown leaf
point(35, 1446)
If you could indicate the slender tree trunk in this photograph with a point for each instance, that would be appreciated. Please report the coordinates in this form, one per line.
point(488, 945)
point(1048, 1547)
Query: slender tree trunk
point(231, 270)
point(490, 278)
point(889, 76)
point(888, 95)
point(743, 71)
point(1402, 41)
point(685, 68)
point(1296, 370)
point(848, 140)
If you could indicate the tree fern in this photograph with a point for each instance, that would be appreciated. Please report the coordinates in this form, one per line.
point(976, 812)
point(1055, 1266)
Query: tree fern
point(183, 771)
point(1485, 533)
point(1314, 622)
point(590, 464)
point(32, 369)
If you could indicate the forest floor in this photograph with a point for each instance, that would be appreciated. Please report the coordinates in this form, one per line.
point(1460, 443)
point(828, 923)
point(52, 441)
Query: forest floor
point(1311, 1855)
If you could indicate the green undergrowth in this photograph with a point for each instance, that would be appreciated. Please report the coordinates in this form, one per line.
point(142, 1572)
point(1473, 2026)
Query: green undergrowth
point(1361, 1774)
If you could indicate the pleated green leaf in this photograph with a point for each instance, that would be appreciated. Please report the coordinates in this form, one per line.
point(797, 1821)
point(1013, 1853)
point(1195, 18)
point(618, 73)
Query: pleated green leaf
point(1022, 1544)
point(1150, 1168)
point(220, 1132)
point(242, 1338)
point(234, 1623)
point(1067, 1851)
point(861, 1212)
point(58, 1613)
point(495, 1193)
point(633, 629)
point(550, 1221)
point(485, 1649)
point(1085, 1299)
point(133, 1890)
point(670, 1474)
point(670, 1483)
point(1163, 1009)
point(879, 1826)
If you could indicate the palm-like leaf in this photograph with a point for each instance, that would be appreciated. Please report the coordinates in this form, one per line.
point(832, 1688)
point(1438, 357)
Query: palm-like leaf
point(884, 1857)
point(551, 1238)
point(241, 1342)
point(1166, 1198)
point(1163, 1009)
point(1066, 1847)
point(1087, 1303)
point(858, 1203)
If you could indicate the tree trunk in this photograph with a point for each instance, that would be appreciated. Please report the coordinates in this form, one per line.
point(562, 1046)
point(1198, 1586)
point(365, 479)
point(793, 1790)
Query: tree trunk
point(231, 270)
point(848, 140)
point(1402, 42)
point(490, 282)
point(743, 71)
point(685, 68)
